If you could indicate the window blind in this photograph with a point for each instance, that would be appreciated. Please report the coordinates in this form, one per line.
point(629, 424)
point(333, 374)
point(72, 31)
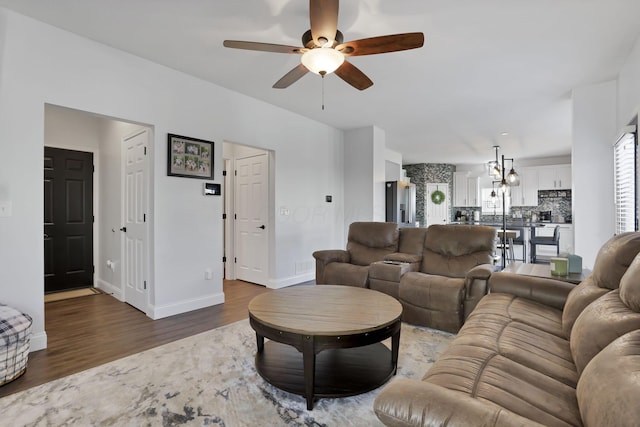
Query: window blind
point(626, 159)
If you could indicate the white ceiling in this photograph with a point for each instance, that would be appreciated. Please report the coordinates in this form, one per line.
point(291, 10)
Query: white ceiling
point(487, 67)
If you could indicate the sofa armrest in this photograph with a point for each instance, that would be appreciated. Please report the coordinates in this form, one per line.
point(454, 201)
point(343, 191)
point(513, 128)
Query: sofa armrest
point(482, 271)
point(410, 402)
point(546, 291)
point(332, 255)
point(475, 285)
point(325, 257)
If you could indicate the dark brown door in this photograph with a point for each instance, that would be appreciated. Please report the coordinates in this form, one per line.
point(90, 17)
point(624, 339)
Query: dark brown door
point(68, 219)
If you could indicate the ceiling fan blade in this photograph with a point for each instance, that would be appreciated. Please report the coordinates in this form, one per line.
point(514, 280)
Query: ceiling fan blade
point(382, 44)
point(291, 77)
point(352, 75)
point(323, 15)
point(263, 47)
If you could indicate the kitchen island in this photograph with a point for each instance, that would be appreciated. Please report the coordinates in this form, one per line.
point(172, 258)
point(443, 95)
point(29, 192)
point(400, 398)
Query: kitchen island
point(532, 229)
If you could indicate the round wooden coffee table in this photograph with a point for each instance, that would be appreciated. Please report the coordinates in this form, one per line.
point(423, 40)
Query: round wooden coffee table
point(325, 340)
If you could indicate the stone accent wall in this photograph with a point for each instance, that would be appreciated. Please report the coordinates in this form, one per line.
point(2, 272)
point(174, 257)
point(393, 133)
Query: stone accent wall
point(422, 174)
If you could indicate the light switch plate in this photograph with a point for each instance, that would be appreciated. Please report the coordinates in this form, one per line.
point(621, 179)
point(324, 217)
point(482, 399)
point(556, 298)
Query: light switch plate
point(5, 209)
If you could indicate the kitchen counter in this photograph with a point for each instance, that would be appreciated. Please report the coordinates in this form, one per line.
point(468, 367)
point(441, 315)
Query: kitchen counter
point(514, 224)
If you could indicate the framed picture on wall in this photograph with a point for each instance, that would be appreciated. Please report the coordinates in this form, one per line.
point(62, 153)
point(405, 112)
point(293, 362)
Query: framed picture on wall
point(190, 157)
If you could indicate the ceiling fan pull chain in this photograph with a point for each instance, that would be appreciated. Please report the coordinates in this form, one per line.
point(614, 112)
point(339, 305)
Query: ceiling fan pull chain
point(322, 92)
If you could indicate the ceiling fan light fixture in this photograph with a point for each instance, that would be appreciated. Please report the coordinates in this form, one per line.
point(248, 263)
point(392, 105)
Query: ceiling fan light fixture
point(323, 60)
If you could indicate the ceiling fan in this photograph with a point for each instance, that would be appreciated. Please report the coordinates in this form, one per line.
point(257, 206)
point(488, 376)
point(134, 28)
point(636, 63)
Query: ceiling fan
point(324, 52)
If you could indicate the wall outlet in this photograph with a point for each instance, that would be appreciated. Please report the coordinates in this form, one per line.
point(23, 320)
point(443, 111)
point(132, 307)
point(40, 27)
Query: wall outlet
point(208, 274)
point(5, 209)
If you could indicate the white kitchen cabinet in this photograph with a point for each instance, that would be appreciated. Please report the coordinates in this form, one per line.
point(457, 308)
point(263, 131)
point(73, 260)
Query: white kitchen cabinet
point(526, 194)
point(466, 190)
point(555, 177)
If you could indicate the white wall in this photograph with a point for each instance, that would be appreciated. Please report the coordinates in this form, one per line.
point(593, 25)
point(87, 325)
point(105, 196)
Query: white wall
point(600, 112)
point(594, 130)
point(393, 165)
point(379, 172)
point(358, 175)
point(365, 158)
point(42, 64)
point(629, 88)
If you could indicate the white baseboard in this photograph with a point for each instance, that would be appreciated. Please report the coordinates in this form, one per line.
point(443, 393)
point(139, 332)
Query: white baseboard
point(159, 312)
point(110, 289)
point(38, 341)
point(290, 281)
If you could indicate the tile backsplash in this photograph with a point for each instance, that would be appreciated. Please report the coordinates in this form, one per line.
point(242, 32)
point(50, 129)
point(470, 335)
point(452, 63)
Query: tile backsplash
point(556, 201)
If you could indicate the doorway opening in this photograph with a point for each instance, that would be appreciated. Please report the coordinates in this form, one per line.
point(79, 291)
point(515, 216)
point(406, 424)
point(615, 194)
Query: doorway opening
point(248, 207)
point(103, 138)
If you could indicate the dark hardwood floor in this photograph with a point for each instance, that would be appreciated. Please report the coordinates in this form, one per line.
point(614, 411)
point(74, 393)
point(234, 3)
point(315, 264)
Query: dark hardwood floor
point(89, 331)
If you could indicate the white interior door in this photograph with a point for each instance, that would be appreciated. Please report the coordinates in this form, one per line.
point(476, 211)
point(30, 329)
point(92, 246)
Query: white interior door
point(134, 253)
point(252, 195)
point(437, 213)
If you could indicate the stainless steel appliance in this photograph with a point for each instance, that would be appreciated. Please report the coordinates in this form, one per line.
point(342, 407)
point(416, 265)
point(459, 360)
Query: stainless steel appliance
point(400, 197)
point(544, 216)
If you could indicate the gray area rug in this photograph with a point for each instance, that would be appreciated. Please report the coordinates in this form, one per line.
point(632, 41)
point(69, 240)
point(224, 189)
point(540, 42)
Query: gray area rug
point(204, 380)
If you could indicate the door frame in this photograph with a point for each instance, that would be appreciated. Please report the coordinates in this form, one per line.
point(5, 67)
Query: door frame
point(230, 155)
point(147, 186)
point(229, 225)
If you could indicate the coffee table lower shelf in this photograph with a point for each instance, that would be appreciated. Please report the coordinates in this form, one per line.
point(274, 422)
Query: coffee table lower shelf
point(339, 372)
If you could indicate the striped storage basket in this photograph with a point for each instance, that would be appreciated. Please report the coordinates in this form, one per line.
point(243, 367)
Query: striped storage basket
point(15, 334)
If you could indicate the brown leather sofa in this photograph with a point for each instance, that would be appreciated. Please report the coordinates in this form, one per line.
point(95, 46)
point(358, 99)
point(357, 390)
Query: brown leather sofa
point(438, 273)
point(457, 262)
point(367, 243)
point(537, 352)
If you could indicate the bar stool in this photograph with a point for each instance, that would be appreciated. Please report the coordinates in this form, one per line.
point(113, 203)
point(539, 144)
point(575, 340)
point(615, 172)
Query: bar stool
point(510, 236)
point(545, 241)
point(520, 241)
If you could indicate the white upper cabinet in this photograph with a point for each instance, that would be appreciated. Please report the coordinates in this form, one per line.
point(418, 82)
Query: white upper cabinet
point(526, 194)
point(555, 177)
point(466, 190)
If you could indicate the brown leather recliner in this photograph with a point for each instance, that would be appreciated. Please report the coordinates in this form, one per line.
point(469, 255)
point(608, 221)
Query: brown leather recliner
point(456, 263)
point(367, 242)
point(537, 352)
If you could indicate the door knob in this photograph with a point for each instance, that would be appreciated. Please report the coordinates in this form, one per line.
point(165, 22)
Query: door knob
point(262, 227)
point(124, 229)
point(46, 236)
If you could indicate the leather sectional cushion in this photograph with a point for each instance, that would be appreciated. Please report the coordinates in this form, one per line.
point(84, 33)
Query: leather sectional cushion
point(599, 324)
point(369, 242)
point(522, 343)
point(407, 402)
point(432, 300)
point(532, 313)
point(454, 250)
point(497, 380)
point(614, 368)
